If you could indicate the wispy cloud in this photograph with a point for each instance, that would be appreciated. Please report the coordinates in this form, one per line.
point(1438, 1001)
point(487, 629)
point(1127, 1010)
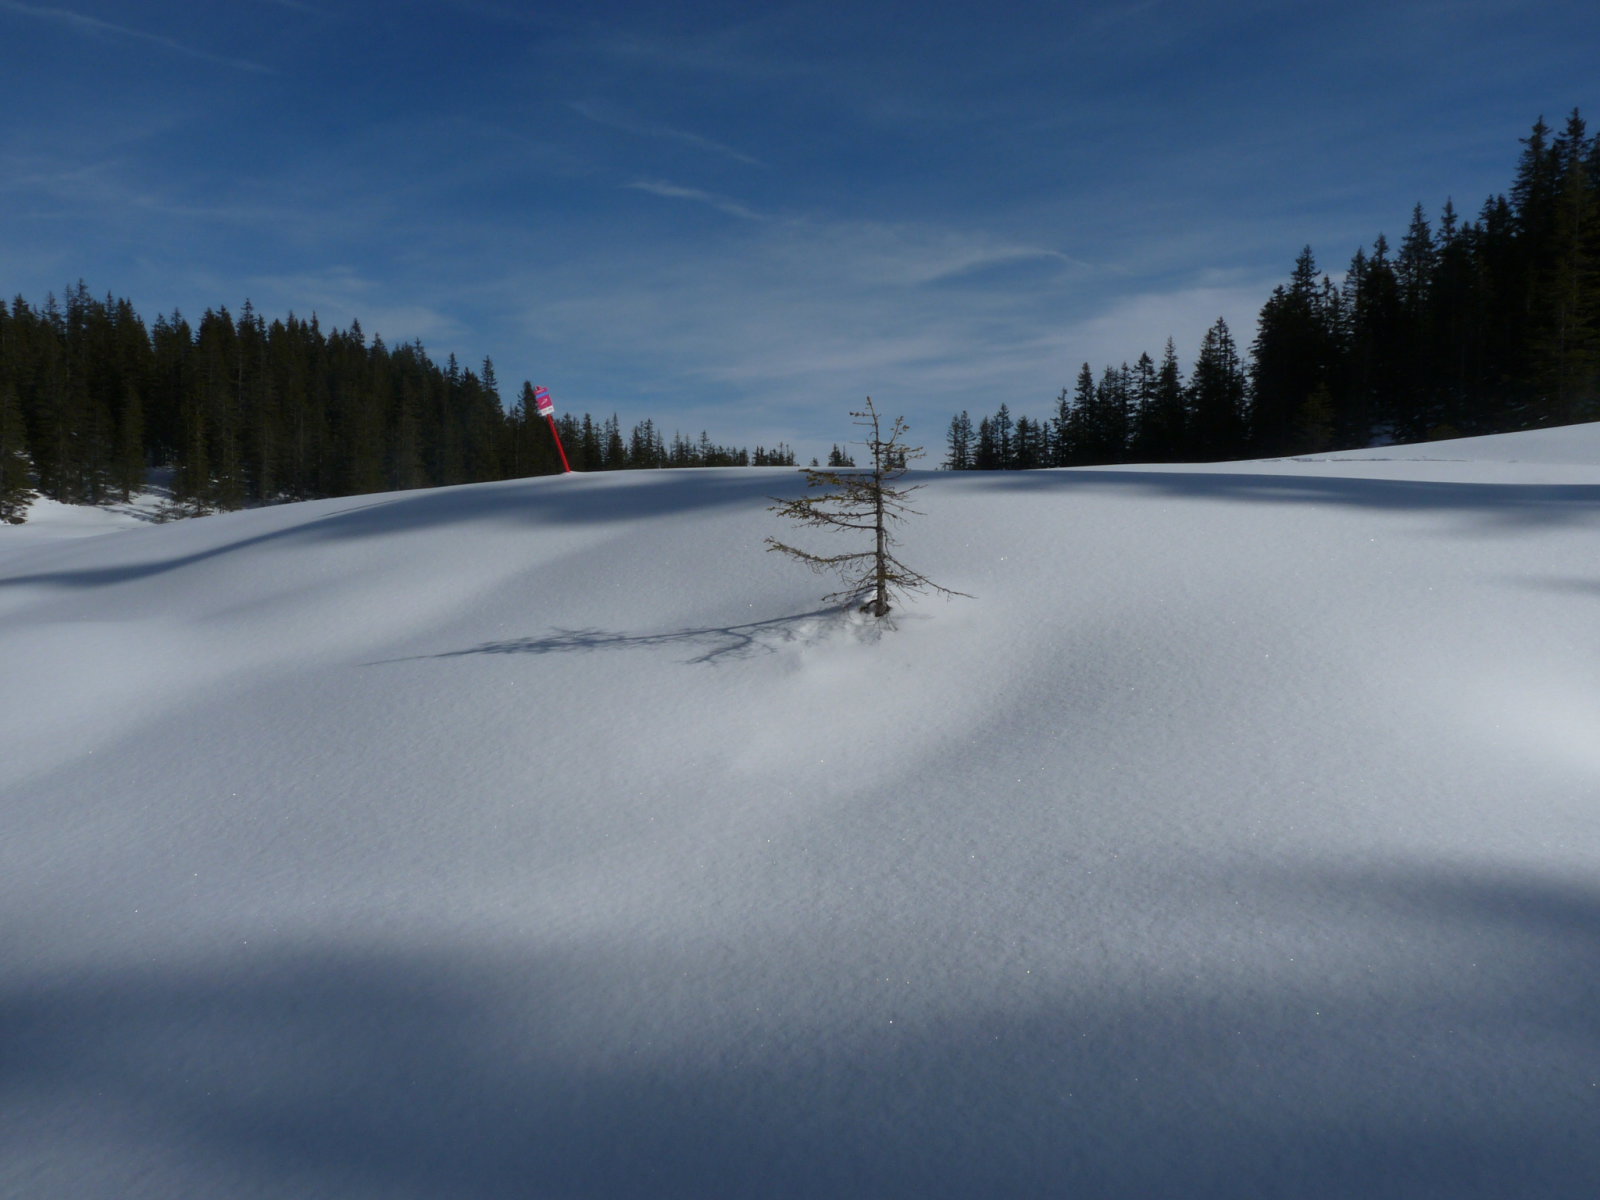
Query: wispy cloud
point(341, 294)
point(112, 188)
point(786, 319)
point(614, 118)
point(95, 27)
point(1183, 313)
point(673, 192)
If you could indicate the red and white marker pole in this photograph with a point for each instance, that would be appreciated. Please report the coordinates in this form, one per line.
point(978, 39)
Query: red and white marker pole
point(546, 408)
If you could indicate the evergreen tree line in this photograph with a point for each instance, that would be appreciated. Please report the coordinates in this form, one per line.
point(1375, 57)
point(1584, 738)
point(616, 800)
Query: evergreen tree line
point(248, 412)
point(1470, 327)
point(593, 445)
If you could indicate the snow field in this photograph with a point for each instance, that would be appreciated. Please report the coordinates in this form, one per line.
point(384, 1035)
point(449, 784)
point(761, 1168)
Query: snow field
point(548, 838)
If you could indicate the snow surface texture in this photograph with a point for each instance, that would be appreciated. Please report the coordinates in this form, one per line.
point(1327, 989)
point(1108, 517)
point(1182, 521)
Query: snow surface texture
point(545, 839)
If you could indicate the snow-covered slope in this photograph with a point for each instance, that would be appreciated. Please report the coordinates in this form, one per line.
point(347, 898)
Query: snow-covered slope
point(1241, 838)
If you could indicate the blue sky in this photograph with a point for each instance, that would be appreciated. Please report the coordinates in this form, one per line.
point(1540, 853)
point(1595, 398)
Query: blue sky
point(745, 218)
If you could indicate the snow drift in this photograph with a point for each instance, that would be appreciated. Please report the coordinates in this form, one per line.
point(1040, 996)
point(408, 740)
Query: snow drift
point(548, 839)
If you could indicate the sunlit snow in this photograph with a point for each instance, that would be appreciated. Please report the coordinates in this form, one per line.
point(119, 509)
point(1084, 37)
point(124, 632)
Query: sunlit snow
point(548, 839)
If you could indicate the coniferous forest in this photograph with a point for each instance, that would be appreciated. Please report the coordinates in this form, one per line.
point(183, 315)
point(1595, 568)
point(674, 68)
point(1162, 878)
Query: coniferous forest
point(245, 411)
point(1468, 327)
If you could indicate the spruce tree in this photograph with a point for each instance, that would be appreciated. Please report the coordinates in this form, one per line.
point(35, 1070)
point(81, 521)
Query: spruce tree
point(1062, 433)
point(868, 502)
point(1216, 397)
point(959, 443)
point(1004, 438)
point(1290, 360)
point(1376, 366)
point(1080, 420)
point(1030, 446)
point(613, 452)
point(1104, 421)
point(1165, 428)
point(130, 445)
point(16, 469)
point(986, 452)
point(1565, 339)
point(1455, 307)
point(1142, 402)
point(1416, 406)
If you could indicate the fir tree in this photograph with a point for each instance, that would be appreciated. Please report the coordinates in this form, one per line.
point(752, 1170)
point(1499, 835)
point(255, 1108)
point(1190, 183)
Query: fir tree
point(986, 453)
point(130, 445)
point(958, 443)
point(1103, 436)
point(1416, 407)
point(1565, 332)
point(645, 449)
point(1004, 430)
point(1142, 402)
point(868, 502)
point(1062, 433)
point(590, 456)
point(1080, 420)
point(16, 469)
point(1455, 306)
point(1030, 447)
point(1163, 426)
point(1291, 360)
point(613, 452)
point(1216, 397)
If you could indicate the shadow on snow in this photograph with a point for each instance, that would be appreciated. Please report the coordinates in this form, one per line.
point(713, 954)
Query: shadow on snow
point(625, 496)
point(546, 502)
point(1514, 503)
point(301, 1071)
point(716, 642)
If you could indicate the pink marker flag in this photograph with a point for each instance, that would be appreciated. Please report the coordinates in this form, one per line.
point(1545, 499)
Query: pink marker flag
point(546, 408)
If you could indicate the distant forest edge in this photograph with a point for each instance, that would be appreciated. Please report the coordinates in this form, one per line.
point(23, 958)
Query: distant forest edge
point(250, 412)
point(1474, 327)
point(1471, 327)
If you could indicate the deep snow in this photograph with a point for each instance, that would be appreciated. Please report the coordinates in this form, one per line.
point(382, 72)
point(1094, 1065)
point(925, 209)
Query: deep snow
point(548, 839)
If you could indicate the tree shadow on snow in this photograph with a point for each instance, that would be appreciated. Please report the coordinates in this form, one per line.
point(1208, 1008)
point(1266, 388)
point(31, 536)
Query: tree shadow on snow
point(627, 1074)
point(715, 643)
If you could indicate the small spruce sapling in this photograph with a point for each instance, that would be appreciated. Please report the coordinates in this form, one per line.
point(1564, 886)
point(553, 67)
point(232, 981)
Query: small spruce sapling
point(867, 501)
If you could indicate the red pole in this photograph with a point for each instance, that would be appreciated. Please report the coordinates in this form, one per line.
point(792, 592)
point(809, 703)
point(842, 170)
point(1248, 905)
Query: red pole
point(562, 450)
